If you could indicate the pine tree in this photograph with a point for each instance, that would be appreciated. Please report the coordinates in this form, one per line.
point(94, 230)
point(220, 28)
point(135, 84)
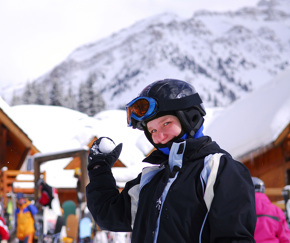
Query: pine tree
point(29, 94)
point(97, 104)
point(83, 101)
point(42, 96)
point(56, 93)
point(16, 99)
point(90, 101)
point(70, 99)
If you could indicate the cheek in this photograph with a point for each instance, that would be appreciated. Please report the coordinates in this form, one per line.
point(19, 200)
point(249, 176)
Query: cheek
point(176, 130)
point(154, 138)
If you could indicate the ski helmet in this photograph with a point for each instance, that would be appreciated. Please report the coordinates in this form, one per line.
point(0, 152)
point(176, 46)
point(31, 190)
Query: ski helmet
point(258, 184)
point(167, 97)
point(19, 195)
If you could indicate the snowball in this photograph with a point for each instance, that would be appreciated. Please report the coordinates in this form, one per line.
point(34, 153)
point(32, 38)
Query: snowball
point(106, 145)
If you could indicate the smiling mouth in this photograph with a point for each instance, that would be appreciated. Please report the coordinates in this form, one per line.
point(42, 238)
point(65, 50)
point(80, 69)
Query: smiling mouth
point(165, 141)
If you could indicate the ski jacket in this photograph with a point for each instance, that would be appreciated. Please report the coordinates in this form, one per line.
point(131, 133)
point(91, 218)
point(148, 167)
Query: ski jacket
point(4, 232)
point(271, 222)
point(46, 195)
point(166, 203)
point(24, 219)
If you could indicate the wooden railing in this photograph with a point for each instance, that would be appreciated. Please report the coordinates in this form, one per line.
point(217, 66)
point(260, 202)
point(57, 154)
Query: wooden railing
point(275, 195)
point(8, 177)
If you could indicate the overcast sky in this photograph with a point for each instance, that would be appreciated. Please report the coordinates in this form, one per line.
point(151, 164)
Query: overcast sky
point(36, 35)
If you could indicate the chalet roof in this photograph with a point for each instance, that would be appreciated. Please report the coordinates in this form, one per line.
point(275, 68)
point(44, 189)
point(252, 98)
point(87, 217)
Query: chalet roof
point(6, 109)
point(256, 121)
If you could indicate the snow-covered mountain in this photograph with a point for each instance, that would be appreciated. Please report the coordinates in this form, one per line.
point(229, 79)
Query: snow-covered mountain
point(224, 55)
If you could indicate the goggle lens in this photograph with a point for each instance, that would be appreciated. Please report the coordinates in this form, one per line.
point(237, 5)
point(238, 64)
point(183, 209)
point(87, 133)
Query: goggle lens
point(139, 108)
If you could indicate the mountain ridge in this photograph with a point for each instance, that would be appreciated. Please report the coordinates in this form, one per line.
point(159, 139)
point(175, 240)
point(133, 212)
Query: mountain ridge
point(224, 55)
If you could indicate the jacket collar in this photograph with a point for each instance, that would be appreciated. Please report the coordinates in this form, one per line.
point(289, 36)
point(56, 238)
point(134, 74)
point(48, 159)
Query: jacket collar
point(195, 149)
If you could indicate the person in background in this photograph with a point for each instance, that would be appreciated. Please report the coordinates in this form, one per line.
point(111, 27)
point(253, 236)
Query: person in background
point(48, 197)
point(271, 221)
point(193, 192)
point(49, 203)
point(4, 232)
point(24, 219)
point(46, 193)
point(78, 176)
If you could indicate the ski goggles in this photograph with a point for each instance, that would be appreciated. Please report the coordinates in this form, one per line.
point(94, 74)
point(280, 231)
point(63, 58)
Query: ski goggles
point(143, 108)
point(140, 109)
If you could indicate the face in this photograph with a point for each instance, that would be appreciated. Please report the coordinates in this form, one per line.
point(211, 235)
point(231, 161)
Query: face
point(21, 201)
point(163, 129)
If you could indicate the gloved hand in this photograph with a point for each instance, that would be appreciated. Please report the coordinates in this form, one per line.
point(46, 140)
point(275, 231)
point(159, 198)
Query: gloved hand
point(103, 152)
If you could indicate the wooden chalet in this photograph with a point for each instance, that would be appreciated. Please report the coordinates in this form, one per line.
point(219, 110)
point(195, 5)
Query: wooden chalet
point(272, 164)
point(15, 144)
point(256, 131)
point(16, 148)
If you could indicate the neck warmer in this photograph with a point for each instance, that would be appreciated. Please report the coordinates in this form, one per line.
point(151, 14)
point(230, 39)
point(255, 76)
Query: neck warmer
point(166, 148)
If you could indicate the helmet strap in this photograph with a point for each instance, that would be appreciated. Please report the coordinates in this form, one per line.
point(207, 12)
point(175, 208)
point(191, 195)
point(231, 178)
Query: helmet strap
point(191, 120)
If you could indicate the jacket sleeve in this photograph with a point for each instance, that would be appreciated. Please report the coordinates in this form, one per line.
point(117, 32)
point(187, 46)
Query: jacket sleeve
point(33, 210)
point(232, 216)
point(283, 232)
point(4, 232)
point(110, 208)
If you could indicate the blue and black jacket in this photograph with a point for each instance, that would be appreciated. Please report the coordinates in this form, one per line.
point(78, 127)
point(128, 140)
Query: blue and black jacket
point(169, 202)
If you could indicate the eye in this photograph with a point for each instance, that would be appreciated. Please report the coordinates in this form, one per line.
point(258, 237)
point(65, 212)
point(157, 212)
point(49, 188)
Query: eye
point(166, 123)
point(153, 131)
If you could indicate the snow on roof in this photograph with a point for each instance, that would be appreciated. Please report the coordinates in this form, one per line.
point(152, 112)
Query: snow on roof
point(25, 178)
point(56, 129)
point(254, 121)
point(53, 128)
point(4, 106)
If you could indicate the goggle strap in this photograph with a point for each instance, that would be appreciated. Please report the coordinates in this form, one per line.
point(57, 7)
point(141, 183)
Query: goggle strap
point(185, 102)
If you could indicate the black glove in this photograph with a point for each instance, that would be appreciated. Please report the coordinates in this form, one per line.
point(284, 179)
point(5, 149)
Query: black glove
point(99, 158)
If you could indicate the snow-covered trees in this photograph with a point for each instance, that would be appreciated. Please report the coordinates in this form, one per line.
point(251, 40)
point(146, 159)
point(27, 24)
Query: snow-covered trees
point(90, 101)
point(86, 98)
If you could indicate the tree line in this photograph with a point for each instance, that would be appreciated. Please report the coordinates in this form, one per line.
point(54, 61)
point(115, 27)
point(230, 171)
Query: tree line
point(87, 100)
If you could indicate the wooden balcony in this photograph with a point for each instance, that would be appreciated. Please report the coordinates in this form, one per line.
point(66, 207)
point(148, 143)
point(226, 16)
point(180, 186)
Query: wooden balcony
point(8, 180)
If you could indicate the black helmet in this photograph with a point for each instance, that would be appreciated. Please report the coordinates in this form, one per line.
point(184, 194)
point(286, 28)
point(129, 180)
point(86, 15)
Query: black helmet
point(258, 184)
point(163, 97)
